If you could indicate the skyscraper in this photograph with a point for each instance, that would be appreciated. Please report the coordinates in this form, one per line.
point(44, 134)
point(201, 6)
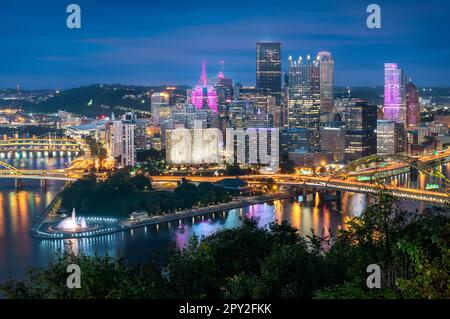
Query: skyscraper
point(224, 89)
point(268, 68)
point(394, 94)
point(123, 146)
point(158, 100)
point(333, 139)
point(391, 138)
point(412, 106)
point(204, 95)
point(326, 63)
point(204, 98)
point(385, 137)
point(361, 124)
point(304, 97)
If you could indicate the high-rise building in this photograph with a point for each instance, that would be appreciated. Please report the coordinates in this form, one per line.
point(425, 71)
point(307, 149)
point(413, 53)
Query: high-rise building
point(224, 89)
point(304, 97)
point(401, 139)
point(141, 139)
point(158, 100)
point(204, 98)
point(123, 146)
point(263, 101)
point(385, 137)
point(326, 64)
point(253, 146)
point(268, 68)
point(247, 114)
point(413, 118)
point(361, 125)
point(394, 94)
point(204, 95)
point(295, 139)
point(333, 139)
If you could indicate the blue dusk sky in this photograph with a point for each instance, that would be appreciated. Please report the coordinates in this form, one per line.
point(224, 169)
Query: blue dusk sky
point(163, 42)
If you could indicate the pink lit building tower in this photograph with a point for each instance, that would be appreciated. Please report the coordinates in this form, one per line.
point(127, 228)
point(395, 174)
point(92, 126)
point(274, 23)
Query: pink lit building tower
point(394, 94)
point(204, 95)
point(413, 105)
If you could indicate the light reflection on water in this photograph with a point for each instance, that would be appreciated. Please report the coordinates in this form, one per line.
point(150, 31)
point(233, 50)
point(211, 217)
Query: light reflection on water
point(141, 243)
point(419, 180)
point(18, 209)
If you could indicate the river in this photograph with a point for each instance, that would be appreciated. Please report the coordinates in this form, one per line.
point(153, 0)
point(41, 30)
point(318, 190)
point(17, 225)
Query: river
point(18, 210)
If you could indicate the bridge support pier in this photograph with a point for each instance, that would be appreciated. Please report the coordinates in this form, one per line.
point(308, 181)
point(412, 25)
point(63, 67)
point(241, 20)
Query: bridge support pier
point(43, 183)
point(18, 183)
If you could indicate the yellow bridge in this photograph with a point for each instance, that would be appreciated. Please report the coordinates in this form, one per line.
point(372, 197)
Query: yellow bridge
point(45, 143)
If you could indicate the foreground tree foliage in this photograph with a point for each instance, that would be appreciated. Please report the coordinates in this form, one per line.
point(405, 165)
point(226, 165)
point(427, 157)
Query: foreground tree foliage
point(275, 262)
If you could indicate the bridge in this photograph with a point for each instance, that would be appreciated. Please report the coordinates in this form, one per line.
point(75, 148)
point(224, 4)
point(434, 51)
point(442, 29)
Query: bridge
point(45, 143)
point(42, 175)
point(435, 198)
point(392, 165)
point(303, 183)
point(341, 180)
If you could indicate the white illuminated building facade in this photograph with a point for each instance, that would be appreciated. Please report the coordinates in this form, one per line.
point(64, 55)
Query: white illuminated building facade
point(253, 146)
point(194, 146)
point(123, 142)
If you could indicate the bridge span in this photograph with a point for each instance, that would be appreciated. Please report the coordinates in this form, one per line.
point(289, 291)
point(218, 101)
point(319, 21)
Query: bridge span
point(46, 143)
point(305, 182)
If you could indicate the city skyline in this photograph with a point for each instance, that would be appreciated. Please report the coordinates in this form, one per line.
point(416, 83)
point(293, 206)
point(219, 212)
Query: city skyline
point(112, 48)
point(251, 150)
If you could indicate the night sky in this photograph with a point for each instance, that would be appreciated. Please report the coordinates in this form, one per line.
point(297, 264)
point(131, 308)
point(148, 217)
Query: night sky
point(163, 42)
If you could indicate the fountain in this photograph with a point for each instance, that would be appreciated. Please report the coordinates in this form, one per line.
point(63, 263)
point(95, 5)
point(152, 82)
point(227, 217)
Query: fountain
point(72, 223)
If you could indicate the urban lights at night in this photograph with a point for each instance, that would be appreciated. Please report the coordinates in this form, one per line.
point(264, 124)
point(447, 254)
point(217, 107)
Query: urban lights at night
point(204, 95)
point(315, 165)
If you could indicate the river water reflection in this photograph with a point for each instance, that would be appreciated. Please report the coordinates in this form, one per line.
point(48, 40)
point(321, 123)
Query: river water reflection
point(18, 210)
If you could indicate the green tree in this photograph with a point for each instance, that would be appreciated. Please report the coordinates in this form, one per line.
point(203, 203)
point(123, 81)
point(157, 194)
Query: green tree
point(140, 182)
point(287, 167)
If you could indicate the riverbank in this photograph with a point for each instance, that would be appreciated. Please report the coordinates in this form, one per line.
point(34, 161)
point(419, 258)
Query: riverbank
point(44, 225)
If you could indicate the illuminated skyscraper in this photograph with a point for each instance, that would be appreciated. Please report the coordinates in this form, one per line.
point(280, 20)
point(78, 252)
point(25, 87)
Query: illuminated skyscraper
point(394, 94)
point(412, 106)
point(304, 97)
point(158, 100)
point(361, 125)
point(268, 68)
point(391, 138)
point(326, 63)
point(204, 95)
point(224, 89)
point(123, 145)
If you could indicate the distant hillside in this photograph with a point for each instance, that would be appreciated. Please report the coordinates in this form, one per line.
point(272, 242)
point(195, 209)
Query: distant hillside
point(94, 100)
point(373, 95)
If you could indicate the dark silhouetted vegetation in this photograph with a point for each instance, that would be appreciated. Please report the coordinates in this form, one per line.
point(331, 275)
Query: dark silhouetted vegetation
point(123, 193)
point(151, 161)
point(274, 262)
point(287, 167)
